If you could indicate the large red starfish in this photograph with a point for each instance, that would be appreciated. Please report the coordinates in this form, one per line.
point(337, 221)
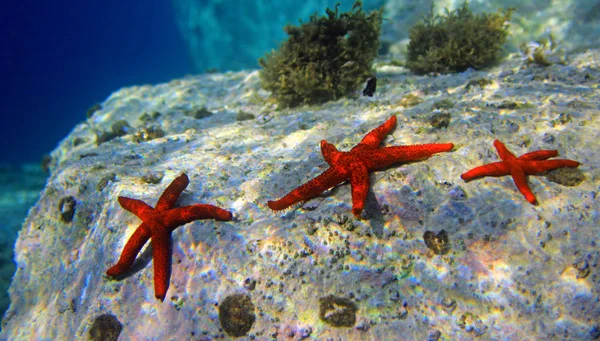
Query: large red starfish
point(157, 224)
point(527, 164)
point(356, 164)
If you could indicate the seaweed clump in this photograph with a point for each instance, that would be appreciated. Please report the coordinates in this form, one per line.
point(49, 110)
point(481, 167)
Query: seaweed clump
point(327, 58)
point(457, 40)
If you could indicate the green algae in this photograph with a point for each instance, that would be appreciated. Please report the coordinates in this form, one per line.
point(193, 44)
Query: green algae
point(456, 41)
point(325, 59)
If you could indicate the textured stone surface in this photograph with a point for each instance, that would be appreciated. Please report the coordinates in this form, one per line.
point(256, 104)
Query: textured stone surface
point(513, 271)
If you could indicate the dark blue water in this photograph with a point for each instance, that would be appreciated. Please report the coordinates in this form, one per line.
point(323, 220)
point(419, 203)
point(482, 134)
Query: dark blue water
point(61, 57)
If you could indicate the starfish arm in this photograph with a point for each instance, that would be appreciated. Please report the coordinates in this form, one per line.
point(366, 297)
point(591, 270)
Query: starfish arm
point(172, 192)
point(520, 180)
point(503, 152)
point(329, 152)
point(491, 169)
point(311, 189)
point(537, 167)
point(130, 251)
point(539, 155)
point(176, 217)
point(383, 157)
point(375, 136)
point(135, 206)
point(359, 182)
point(161, 257)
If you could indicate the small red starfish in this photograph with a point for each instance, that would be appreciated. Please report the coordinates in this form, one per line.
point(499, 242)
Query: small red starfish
point(158, 223)
point(355, 166)
point(527, 164)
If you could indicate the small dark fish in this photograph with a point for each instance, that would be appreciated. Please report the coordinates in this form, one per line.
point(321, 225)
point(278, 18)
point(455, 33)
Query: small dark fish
point(370, 88)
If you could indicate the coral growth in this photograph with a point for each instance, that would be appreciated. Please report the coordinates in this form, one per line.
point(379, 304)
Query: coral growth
point(324, 59)
point(457, 40)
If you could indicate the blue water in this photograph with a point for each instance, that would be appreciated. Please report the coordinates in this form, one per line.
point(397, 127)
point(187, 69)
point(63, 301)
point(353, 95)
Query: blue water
point(61, 57)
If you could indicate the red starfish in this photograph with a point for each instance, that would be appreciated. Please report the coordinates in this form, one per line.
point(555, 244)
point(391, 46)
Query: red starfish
point(158, 223)
point(356, 164)
point(527, 164)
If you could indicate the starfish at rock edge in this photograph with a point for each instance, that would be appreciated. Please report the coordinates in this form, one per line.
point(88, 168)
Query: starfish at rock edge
point(356, 165)
point(157, 224)
point(519, 167)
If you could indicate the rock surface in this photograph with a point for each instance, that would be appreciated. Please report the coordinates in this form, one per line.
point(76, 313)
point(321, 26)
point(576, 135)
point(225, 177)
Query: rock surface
point(512, 271)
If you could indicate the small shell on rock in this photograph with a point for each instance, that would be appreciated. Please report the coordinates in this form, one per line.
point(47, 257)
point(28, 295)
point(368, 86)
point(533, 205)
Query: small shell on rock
point(66, 207)
point(438, 243)
point(582, 267)
point(337, 311)
point(236, 314)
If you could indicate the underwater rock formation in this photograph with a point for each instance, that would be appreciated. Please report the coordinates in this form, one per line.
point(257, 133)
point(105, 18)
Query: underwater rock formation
point(314, 271)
